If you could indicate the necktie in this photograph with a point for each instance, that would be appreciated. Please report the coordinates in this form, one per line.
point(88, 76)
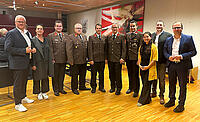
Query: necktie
point(99, 37)
point(113, 36)
point(60, 35)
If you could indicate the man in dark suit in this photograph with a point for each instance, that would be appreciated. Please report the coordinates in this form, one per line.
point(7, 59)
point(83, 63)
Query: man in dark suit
point(133, 42)
point(19, 48)
point(96, 53)
point(159, 38)
point(178, 49)
point(116, 53)
point(77, 54)
point(57, 43)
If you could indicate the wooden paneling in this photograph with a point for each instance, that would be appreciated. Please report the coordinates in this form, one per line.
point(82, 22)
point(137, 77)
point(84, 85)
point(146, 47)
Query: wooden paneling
point(65, 6)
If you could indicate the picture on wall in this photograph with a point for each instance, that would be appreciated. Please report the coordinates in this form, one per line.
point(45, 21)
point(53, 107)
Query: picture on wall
point(122, 15)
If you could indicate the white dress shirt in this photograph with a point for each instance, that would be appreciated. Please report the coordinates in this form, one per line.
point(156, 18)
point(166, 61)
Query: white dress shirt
point(175, 47)
point(157, 37)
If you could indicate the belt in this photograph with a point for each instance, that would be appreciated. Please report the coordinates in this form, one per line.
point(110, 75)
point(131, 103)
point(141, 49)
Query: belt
point(176, 62)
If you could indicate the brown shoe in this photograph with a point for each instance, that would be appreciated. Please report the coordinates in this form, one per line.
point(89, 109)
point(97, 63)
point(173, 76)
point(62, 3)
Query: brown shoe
point(162, 100)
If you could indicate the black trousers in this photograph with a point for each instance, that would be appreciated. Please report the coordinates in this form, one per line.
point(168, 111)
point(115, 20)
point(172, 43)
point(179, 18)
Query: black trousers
point(59, 75)
point(78, 70)
point(44, 83)
point(20, 82)
point(115, 75)
point(133, 75)
point(178, 70)
point(145, 97)
point(97, 67)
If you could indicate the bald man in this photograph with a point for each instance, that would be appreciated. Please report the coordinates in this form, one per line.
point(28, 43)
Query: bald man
point(77, 54)
point(116, 53)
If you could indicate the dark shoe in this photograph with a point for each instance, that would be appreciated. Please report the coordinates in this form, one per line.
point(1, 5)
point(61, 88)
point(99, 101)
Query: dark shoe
point(75, 92)
point(153, 95)
point(84, 88)
point(118, 92)
point(56, 93)
point(102, 90)
point(93, 90)
point(162, 100)
point(179, 108)
point(128, 91)
point(191, 81)
point(112, 90)
point(135, 94)
point(63, 92)
point(169, 104)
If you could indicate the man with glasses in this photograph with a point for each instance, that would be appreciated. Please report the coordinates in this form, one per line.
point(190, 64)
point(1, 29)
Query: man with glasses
point(178, 49)
point(19, 48)
point(116, 53)
point(77, 55)
point(159, 38)
point(133, 42)
point(58, 41)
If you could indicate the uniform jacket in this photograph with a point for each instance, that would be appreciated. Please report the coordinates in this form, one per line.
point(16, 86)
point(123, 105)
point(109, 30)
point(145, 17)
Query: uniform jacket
point(186, 49)
point(116, 48)
point(161, 41)
point(133, 42)
point(153, 57)
point(16, 45)
point(58, 47)
point(43, 62)
point(96, 48)
point(77, 49)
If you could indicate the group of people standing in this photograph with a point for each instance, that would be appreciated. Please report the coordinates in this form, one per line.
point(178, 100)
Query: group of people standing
point(145, 54)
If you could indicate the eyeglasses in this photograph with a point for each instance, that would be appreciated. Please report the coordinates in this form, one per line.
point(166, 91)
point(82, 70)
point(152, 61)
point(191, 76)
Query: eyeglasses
point(177, 28)
point(20, 21)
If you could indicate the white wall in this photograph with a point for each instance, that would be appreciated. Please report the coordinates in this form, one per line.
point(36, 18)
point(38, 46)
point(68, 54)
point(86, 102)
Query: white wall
point(186, 11)
point(93, 17)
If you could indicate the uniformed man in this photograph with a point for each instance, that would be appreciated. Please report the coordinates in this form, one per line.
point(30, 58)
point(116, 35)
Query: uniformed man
point(96, 53)
point(58, 41)
point(77, 54)
point(133, 42)
point(116, 53)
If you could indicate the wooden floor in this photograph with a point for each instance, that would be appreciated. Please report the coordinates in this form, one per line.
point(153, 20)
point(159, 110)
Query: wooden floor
point(99, 107)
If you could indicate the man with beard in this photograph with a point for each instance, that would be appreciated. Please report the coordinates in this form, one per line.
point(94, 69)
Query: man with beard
point(159, 38)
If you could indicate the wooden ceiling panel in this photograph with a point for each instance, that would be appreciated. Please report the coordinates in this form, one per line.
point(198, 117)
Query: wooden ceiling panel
point(65, 6)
